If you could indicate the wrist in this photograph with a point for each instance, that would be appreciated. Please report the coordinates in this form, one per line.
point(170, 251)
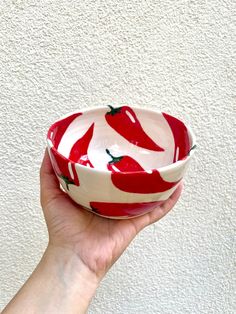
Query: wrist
point(73, 277)
point(61, 283)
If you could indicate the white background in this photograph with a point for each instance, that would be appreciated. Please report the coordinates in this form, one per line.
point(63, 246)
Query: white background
point(175, 56)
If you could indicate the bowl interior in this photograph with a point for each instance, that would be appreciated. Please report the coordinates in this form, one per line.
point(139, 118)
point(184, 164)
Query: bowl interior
point(121, 139)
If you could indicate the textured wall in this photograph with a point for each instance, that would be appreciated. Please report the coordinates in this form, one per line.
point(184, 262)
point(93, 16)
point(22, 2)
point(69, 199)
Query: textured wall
point(176, 56)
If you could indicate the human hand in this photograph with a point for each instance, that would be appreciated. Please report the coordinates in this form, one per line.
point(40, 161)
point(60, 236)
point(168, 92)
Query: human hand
point(97, 242)
point(82, 247)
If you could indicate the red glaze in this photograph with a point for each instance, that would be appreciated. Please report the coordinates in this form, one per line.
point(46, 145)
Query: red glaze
point(141, 182)
point(123, 163)
point(76, 179)
point(60, 127)
point(181, 138)
point(124, 121)
point(79, 151)
point(138, 180)
point(123, 209)
point(61, 168)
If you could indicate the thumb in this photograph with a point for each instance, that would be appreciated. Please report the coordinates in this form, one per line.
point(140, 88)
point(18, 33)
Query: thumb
point(49, 186)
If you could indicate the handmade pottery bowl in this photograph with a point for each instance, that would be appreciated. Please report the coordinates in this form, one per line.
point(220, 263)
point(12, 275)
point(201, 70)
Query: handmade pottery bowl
point(120, 162)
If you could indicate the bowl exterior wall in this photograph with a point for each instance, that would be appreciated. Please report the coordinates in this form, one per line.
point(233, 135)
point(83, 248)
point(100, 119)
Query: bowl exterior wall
point(122, 196)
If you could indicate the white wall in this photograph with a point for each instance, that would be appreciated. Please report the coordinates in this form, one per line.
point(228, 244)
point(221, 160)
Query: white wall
point(176, 56)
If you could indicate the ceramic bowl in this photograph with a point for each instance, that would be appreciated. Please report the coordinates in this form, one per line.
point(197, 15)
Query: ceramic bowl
point(120, 162)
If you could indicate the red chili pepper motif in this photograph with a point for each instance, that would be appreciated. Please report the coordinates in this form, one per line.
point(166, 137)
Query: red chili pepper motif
point(181, 138)
point(79, 151)
point(122, 163)
point(125, 122)
point(138, 180)
point(59, 128)
point(123, 209)
point(61, 167)
point(76, 179)
point(141, 182)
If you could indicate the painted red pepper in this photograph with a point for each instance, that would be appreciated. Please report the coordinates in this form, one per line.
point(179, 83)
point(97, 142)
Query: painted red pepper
point(122, 163)
point(181, 137)
point(127, 175)
point(79, 151)
point(75, 176)
point(123, 209)
point(61, 167)
point(59, 128)
point(125, 122)
point(141, 182)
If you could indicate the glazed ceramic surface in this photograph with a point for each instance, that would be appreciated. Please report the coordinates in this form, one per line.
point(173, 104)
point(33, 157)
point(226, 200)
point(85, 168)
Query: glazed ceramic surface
point(120, 162)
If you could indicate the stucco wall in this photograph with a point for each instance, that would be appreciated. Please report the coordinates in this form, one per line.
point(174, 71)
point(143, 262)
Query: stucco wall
point(175, 56)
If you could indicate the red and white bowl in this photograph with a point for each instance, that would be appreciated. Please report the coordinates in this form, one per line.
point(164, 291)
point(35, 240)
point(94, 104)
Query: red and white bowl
point(120, 162)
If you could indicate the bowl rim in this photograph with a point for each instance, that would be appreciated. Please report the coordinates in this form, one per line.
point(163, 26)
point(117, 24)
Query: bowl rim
point(163, 169)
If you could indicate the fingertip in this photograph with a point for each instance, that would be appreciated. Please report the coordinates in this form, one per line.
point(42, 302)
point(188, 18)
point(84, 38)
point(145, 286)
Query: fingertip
point(46, 166)
point(166, 206)
point(179, 190)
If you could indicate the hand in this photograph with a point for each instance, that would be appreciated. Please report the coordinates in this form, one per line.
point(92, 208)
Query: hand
point(98, 242)
point(82, 247)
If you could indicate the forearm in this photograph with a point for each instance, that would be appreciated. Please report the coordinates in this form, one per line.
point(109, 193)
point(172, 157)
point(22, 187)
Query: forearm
point(61, 283)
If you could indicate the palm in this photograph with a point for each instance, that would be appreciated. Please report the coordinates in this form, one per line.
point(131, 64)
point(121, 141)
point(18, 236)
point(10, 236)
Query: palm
point(97, 241)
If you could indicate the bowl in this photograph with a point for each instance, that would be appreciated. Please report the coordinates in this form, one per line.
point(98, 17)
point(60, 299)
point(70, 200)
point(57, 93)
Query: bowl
point(120, 162)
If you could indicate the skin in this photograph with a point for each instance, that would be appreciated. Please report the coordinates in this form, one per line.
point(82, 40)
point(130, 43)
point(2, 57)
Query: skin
point(82, 247)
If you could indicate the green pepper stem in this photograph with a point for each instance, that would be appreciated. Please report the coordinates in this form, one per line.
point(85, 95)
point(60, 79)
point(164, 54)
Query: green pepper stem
point(114, 159)
point(194, 146)
point(113, 110)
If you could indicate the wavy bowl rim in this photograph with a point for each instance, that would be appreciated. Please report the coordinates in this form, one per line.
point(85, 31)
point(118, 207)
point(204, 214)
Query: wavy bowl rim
point(167, 168)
